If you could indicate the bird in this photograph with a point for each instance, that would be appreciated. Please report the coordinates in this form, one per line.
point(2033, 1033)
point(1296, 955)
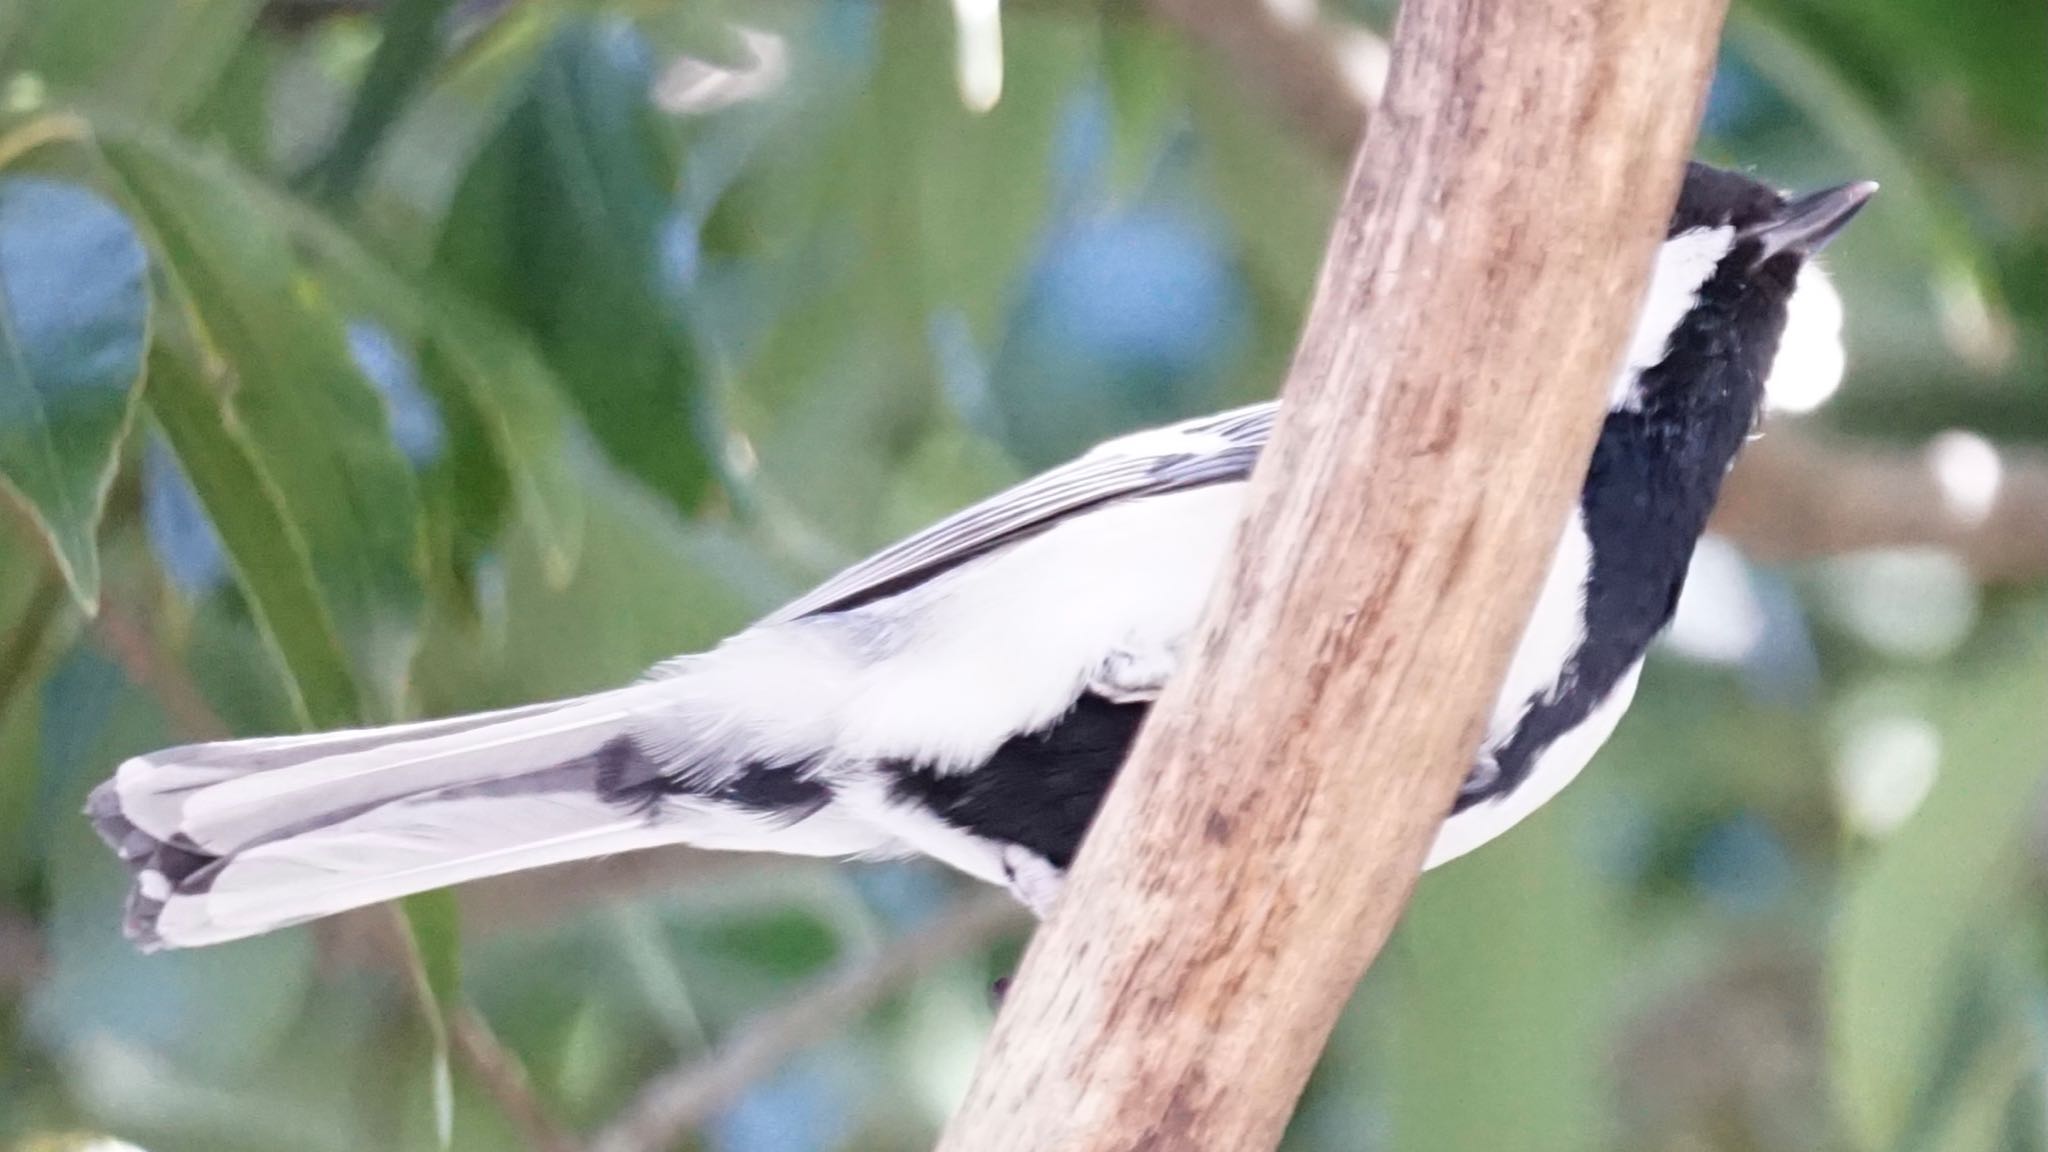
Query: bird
point(970, 693)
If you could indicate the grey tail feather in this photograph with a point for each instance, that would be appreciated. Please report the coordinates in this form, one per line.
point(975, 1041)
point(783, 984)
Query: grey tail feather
point(236, 838)
point(183, 819)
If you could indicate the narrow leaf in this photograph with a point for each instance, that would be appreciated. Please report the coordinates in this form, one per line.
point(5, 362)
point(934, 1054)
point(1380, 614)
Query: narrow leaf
point(156, 59)
point(74, 317)
point(273, 348)
point(433, 928)
point(414, 34)
point(514, 396)
point(485, 375)
point(268, 555)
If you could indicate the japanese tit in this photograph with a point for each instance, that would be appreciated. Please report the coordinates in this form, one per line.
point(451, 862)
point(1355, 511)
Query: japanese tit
point(970, 693)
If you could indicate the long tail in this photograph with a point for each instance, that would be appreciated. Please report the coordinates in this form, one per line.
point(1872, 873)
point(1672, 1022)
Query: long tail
point(236, 838)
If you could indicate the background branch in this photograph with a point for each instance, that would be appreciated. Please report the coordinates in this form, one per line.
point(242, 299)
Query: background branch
point(676, 1101)
point(21, 952)
point(504, 1076)
point(1793, 497)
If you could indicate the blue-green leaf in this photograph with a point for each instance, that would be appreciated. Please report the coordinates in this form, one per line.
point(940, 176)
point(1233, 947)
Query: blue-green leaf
point(74, 318)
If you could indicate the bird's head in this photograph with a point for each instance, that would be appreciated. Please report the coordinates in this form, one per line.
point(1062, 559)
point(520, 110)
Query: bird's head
point(1735, 302)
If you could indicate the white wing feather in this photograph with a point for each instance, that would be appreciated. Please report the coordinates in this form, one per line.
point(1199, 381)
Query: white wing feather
point(1191, 454)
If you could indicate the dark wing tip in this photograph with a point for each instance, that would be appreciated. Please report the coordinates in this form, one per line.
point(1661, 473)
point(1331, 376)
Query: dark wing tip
point(145, 857)
point(103, 808)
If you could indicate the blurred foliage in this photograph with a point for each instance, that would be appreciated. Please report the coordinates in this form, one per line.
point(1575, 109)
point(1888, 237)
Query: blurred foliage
point(371, 360)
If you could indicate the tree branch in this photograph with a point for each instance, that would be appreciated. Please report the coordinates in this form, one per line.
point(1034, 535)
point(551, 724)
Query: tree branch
point(674, 1102)
point(21, 953)
point(499, 1070)
point(1257, 850)
point(1792, 497)
point(124, 637)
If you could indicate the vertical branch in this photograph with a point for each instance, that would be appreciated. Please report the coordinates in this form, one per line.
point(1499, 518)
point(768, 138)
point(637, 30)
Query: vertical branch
point(1263, 840)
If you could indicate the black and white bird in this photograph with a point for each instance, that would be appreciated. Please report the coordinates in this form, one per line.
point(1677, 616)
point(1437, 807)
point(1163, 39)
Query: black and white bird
point(970, 693)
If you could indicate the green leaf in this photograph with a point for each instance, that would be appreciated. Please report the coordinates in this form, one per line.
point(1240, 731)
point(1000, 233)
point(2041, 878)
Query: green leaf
point(487, 378)
point(414, 178)
point(890, 214)
point(970, 194)
point(1919, 911)
point(74, 318)
point(268, 554)
point(20, 863)
point(414, 33)
point(1504, 963)
point(157, 59)
point(271, 346)
point(475, 361)
point(1145, 70)
point(563, 225)
point(433, 927)
point(1923, 192)
point(505, 408)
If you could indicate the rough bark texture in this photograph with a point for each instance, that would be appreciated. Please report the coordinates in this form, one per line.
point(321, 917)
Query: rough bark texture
point(1440, 411)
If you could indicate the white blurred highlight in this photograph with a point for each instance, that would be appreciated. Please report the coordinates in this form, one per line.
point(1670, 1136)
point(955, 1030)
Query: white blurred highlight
point(1364, 60)
point(1884, 770)
point(692, 87)
point(1720, 619)
point(1912, 603)
point(1969, 473)
point(1810, 361)
point(1293, 13)
point(978, 52)
point(741, 456)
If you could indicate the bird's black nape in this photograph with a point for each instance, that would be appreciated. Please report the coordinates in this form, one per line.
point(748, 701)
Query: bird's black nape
point(1713, 197)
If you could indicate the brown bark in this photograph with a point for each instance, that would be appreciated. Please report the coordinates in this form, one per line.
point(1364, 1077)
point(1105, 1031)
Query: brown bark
point(1265, 836)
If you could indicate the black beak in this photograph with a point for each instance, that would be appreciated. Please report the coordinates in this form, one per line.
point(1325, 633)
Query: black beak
point(1807, 224)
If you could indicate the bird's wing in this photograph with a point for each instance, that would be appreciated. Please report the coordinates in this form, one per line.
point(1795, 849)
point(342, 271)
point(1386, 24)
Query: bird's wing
point(1209, 450)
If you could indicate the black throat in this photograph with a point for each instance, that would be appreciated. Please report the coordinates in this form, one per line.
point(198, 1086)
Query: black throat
point(1656, 472)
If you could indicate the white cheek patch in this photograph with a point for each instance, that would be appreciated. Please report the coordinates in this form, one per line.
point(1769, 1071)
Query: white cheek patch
point(1810, 360)
point(1684, 263)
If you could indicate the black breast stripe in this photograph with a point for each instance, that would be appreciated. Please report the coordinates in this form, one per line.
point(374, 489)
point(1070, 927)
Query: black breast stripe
point(1039, 790)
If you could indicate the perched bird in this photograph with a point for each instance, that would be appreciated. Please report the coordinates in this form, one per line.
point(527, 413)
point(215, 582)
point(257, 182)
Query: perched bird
point(971, 692)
